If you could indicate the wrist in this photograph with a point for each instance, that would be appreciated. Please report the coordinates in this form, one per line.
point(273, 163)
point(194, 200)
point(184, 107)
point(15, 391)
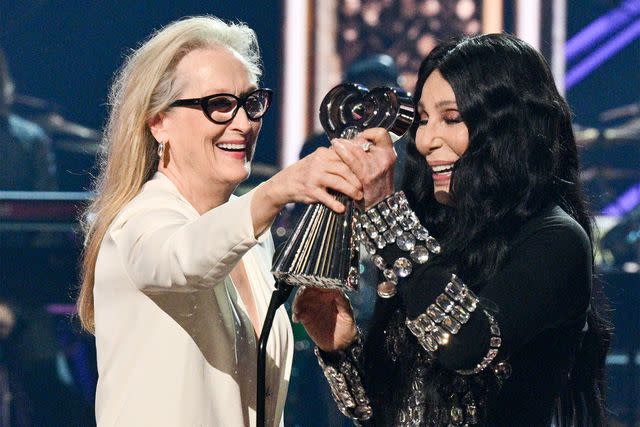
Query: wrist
point(340, 352)
point(340, 346)
point(263, 209)
point(272, 194)
point(389, 224)
point(383, 193)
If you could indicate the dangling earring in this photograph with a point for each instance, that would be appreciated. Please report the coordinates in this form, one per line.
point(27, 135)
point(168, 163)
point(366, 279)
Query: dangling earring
point(161, 150)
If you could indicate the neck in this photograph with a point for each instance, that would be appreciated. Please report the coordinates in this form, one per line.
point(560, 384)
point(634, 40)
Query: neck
point(202, 196)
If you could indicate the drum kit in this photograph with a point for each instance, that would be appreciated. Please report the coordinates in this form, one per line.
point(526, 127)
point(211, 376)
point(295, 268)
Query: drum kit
point(75, 146)
point(610, 174)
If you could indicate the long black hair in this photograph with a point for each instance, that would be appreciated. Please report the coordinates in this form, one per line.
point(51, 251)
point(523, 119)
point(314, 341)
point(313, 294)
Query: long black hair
point(521, 158)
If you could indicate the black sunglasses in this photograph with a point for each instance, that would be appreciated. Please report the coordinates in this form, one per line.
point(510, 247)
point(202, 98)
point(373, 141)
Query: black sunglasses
point(221, 108)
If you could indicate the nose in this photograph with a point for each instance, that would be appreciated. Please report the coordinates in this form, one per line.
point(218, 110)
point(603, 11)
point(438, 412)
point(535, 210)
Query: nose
point(427, 140)
point(241, 121)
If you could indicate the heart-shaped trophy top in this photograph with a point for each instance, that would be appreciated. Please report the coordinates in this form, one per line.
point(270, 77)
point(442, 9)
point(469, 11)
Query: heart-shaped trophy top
point(350, 108)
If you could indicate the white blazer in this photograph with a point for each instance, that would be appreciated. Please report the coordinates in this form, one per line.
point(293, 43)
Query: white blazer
point(174, 342)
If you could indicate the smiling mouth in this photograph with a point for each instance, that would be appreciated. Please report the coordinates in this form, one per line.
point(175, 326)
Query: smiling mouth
point(443, 169)
point(234, 148)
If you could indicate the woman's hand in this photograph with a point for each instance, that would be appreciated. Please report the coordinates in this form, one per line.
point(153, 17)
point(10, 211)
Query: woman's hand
point(306, 181)
point(327, 316)
point(309, 179)
point(374, 167)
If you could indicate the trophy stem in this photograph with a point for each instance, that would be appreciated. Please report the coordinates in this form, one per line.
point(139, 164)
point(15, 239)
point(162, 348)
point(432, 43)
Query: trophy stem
point(322, 250)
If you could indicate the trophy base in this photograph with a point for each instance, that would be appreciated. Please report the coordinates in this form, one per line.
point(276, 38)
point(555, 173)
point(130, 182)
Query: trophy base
point(350, 283)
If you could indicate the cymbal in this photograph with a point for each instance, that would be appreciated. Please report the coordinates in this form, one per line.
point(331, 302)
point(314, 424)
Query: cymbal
point(629, 131)
point(608, 173)
point(78, 146)
point(623, 111)
point(59, 125)
point(585, 135)
point(625, 134)
point(46, 114)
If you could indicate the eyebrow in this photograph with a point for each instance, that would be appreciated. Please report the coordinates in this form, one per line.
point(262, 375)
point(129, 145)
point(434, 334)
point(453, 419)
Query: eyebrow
point(446, 104)
point(440, 104)
point(241, 94)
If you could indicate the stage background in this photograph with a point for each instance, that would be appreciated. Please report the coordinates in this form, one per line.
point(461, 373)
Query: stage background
point(62, 55)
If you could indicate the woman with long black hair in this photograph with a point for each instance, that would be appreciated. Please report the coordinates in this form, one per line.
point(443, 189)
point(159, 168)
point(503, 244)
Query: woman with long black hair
point(488, 312)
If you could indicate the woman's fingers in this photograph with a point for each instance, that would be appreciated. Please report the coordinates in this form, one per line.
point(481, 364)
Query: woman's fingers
point(308, 302)
point(342, 302)
point(327, 317)
point(320, 195)
point(319, 306)
point(347, 169)
point(375, 161)
point(352, 155)
point(328, 161)
point(341, 169)
point(341, 185)
point(323, 171)
point(374, 167)
point(378, 136)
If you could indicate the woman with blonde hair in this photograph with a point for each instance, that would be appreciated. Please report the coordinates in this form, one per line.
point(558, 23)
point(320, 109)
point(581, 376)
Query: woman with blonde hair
point(176, 274)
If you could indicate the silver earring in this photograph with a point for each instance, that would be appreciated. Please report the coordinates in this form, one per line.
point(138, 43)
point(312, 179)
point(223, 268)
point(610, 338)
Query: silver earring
point(161, 149)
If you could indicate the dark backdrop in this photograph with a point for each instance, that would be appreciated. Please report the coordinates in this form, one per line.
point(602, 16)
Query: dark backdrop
point(66, 51)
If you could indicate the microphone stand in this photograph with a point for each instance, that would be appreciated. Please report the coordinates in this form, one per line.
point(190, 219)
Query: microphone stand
point(278, 297)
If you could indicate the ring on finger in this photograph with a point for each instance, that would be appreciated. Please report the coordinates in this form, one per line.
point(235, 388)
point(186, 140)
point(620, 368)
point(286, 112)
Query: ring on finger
point(366, 146)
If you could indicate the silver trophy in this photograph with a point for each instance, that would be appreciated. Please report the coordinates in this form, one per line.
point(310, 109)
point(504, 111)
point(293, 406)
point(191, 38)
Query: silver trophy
point(323, 250)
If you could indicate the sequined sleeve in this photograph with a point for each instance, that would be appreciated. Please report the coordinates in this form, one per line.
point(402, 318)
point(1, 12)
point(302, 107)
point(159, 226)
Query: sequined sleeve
point(445, 317)
point(398, 243)
point(343, 370)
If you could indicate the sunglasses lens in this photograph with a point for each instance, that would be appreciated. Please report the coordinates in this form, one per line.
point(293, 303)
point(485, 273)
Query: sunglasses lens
point(221, 108)
point(257, 104)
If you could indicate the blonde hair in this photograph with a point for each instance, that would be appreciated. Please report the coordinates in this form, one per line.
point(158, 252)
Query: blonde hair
point(144, 87)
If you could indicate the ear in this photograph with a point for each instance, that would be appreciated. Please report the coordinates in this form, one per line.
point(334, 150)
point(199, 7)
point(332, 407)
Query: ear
point(158, 127)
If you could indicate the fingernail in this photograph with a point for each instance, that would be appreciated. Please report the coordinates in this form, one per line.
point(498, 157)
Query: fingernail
point(337, 143)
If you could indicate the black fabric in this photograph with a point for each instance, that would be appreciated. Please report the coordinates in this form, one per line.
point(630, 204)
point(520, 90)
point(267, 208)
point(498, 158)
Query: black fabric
point(540, 298)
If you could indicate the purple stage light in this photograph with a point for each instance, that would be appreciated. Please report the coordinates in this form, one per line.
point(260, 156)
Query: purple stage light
point(601, 28)
point(583, 68)
point(61, 309)
point(625, 203)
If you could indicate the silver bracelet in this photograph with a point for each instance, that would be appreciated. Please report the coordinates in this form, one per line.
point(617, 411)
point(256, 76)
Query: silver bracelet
point(392, 221)
point(445, 317)
point(494, 345)
point(345, 382)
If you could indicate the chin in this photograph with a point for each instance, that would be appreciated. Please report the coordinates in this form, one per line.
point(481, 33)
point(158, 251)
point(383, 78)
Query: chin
point(443, 197)
point(233, 178)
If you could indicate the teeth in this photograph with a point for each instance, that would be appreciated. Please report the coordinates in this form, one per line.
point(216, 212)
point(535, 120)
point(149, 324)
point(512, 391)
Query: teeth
point(232, 146)
point(442, 168)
